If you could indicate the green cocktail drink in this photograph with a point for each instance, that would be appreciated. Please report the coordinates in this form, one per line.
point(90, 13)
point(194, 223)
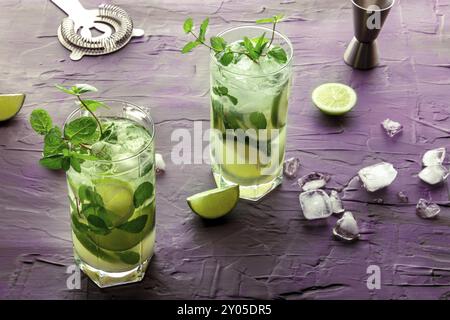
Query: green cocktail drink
point(249, 104)
point(112, 198)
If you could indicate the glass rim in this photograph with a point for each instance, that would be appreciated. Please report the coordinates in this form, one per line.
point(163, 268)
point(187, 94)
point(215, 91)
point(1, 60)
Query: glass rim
point(373, 9)
point(285, 38)
point(72, 114)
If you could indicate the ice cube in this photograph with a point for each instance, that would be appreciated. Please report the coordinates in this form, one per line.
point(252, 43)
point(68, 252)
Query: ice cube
point(377, 176)
point(290, 167)
point(434, 174)
point(391, 127)
point(160, 165)
point(312, 181)
point(433, 157)
point(402, 197)
point(315, 204)
point(346, 228)
point(106, 151)
point(426, 209)
point(336, 203)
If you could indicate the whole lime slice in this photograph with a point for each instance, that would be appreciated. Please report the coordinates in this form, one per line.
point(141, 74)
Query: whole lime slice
point(334, 98)
point(214, 203)
point(117, 197)
point(10, 105)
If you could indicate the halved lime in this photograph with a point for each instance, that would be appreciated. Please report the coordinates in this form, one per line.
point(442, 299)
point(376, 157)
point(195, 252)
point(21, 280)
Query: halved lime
point(117, 197)
point(214, 203)
point(334, 98)
point(10, 105)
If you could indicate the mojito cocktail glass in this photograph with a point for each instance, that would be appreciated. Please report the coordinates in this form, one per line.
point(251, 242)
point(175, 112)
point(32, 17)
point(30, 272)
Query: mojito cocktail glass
point(112, 199)
point(249, 105)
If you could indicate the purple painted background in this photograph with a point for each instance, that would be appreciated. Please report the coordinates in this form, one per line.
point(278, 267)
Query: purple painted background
point(264, 249)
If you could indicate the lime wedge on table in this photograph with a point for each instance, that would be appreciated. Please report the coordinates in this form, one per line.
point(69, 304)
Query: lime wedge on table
point(10, 105)
point(334, 98)
point(214, 203)
point(117, 197)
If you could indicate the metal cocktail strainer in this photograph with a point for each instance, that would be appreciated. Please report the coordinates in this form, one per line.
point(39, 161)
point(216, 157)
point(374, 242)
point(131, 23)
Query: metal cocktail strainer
point(113, 22)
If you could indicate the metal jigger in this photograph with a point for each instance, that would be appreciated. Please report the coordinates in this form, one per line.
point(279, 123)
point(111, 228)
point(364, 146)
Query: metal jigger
point(368, 19)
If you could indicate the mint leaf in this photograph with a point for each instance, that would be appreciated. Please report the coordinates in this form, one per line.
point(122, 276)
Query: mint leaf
point(142, 193)
point(75, 164)
point(233, 100)
point(79, 226)
point(148, 167)
point(73, 206)
point(82, 156)
point(218, 44)
point(40, 121)
point(129, 257)
point(220, 91)
point(189, 46)
point(81, 130)
point(248, 44)
point(86, 193)
point(278, 54)
point(258, 120)
point(227, 58)
point(53, 162)
point(231, 120)
point(203, 28)
point(93, 105)
point(96, 221)
point(261, 43)
point(135, 225)
point(265, 20)
point(279, 17)
point(65, 90)
point(65, 163)
point(53, 142)
point(83, 88)
point(274, 19)
point(188, 25)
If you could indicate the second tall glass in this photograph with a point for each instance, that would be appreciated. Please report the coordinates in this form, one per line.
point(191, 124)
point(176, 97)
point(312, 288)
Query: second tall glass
point(249, 105)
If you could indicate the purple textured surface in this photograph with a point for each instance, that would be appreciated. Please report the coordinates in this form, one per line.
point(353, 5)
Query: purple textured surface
point(264, 249)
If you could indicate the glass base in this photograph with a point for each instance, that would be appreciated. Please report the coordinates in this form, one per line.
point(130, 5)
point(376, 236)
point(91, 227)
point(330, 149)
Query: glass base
point(253, 192)
point(105, 279)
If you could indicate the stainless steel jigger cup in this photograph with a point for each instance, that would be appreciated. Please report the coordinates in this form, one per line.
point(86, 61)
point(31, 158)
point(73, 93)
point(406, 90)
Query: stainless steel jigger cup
point(368, 19)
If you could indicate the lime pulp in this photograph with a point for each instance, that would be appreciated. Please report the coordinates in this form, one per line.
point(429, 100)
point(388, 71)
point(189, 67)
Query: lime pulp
point(334, 98)
point(214, 203)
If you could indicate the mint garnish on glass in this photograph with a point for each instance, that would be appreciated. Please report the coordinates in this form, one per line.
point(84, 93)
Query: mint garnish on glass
point(254, 48)
point(70, 148)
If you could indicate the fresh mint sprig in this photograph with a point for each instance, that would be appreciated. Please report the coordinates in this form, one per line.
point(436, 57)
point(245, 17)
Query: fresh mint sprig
point(70, 148)
point(90, 105)
point(254, 49)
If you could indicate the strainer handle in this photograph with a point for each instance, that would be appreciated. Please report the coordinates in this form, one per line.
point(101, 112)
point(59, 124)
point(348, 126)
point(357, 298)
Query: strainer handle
point(73, 8)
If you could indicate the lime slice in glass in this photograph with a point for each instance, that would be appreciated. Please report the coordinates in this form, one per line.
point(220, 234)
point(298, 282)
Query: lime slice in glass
point(214, 203)
point(120, 239)
point(117, 197)
point(10, 105)
point(245, 165)
point(334, 98)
